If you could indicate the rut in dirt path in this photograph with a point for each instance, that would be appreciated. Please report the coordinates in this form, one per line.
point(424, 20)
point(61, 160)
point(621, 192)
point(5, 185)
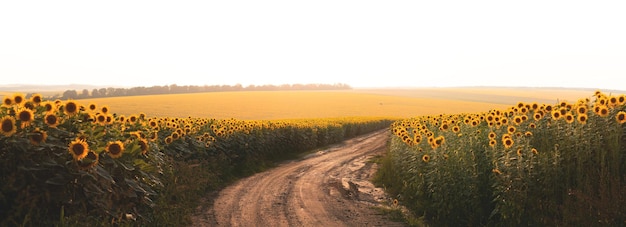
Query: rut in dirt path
point(328, 188)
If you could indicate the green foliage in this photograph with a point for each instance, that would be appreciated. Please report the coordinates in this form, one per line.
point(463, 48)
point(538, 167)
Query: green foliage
point(534, 170)
point(65, 164)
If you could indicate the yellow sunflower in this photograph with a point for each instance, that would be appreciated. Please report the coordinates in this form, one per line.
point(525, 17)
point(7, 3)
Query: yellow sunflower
point(508, 142)
point(51, 120)
point(18, 98)
point(78, 148)
point(569, 118)
point(71, 108)
point(115, 149)
point(7, 101)
point(7, 126)
point(602, 110)
point(426, 158)
point(621, 117)
point(104, 109)
point(511, 129)
point(143, 144)
point(26, 116)
point(582, 118)
point(36, 99)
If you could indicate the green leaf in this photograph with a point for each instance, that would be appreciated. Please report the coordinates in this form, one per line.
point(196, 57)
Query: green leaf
point(104, 174)
point(58, 179)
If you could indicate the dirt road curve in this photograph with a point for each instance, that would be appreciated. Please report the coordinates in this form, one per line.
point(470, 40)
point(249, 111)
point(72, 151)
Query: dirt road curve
point(328, 188)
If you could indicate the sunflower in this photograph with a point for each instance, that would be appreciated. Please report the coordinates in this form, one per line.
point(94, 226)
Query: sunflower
point(104, 109)
point(26, 116)
point(36, 99)
point(518, 119)
point(101, 119)
point(534, 151)
point(71, 108)
point(7, 126)
point(426, 158)
point(621, 117)
point(456, 129)
point(492, 135)
point(613, 101)
point(548, 108)
point(37, 136)
point(78, 148)
point(18, 98)
point(538, 115)
point(569, 118)
point(581, 109)
point(556, 115)
point(169, 139)
point(115, 149)
point(89, 161)
point(519, 152)
point(7, 101)
point(511, 129)
point(49, 106)
point(534, 106)
point(582, 118)
point(507, 141)
point(92, 107)
point(132, 118)
point(416, 139)
point(532, 125)
point(602, 110)
point(155, 135)
point(528, 134)
point(143, 144)
point(51, 120)
point(492, 143)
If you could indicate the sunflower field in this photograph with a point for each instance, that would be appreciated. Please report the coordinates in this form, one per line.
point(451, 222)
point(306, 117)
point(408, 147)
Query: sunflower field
point(532, 164)
point(64, 163)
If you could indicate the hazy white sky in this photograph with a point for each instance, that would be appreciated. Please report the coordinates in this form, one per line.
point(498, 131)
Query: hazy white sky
point(362, 43)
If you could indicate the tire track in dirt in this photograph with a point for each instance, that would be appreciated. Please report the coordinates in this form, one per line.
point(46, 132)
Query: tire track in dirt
point(328, 188)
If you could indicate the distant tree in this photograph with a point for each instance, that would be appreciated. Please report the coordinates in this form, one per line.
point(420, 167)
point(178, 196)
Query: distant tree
point(95, 93)
point(84, 94)
point(70, 94)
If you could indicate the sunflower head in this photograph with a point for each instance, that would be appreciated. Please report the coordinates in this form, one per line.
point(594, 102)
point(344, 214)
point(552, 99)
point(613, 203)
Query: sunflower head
point(7, 101)
point(78, 148)
point(7, 126)
point(426, 158)
point(115, 149)
point(507, 141)
point(71, 108)
point(621, 117)
point(582, 118)
point(18, 98)
point(143, 144)
point(25, 115)
point(36, 99)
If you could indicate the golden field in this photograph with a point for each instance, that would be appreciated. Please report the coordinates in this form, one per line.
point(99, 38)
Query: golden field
point(267, 105)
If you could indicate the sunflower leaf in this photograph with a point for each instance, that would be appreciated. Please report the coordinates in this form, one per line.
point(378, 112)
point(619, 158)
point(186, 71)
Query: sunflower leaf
point(58, 179)
point(104, 174)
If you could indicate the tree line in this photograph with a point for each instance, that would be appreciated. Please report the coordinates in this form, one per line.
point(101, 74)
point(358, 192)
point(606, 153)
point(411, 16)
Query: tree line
point(180, 89)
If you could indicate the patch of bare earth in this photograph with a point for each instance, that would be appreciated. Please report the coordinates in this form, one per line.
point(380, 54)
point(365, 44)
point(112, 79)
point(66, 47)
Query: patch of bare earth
point(329, 188)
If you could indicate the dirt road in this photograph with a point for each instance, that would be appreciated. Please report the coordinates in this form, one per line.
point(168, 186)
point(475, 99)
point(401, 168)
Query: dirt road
point(327, 188)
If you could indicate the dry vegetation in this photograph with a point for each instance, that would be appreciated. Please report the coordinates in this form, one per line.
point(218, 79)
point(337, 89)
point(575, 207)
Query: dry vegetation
point(265, 105)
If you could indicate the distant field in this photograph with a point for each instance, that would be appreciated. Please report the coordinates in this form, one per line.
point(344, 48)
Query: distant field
point(318, 104)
